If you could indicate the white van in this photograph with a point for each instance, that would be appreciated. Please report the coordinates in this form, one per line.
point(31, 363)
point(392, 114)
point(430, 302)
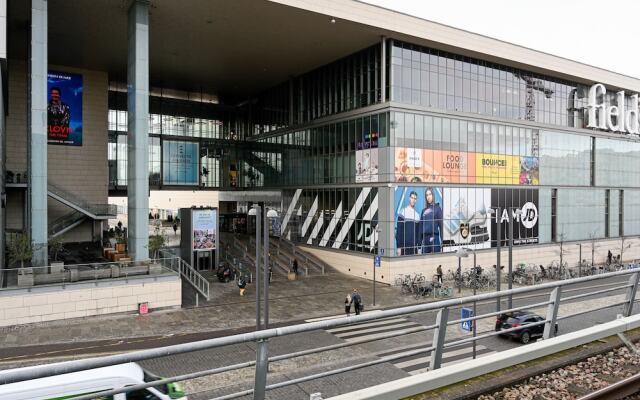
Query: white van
point(96, 380)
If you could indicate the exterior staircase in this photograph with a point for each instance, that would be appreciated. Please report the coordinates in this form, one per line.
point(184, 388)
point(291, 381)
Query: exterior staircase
point(81, 210)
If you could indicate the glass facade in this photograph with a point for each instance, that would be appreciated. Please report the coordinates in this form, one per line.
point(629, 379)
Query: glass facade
point(433, 78)
point(406, 167)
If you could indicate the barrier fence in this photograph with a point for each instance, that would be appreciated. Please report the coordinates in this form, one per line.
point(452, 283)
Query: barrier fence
point(553, 290)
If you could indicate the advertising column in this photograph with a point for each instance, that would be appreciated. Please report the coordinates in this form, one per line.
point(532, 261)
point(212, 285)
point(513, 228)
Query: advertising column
point(204, 233)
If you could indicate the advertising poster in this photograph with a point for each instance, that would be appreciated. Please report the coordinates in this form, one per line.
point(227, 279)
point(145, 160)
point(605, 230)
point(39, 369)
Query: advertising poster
point(497, 169)
point(64, 108)
point(180, 163)
point(419, 220)
point(449, 166)
point(529, 171)
point(436, 219)
point(367, 165)
point(443, 166)
point(204, 223)
point(467, 222)
point(409, 165)
point(525, 228)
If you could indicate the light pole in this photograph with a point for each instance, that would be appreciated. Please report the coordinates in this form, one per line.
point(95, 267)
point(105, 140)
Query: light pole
point(377, 231)
point(255, 211)
point(517, 212)
point(464, 252)
point(580, 260)
point(268, 214)
point(498, 215)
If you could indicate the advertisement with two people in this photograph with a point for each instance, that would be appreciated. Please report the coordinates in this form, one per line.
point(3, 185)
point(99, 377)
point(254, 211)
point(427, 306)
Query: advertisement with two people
point(444, 166)
point(435, 219)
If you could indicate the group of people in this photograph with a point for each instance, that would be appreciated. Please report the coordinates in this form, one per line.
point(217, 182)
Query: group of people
point(355, 299)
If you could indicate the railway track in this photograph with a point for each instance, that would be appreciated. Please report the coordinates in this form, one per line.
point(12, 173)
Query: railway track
point(628, 388)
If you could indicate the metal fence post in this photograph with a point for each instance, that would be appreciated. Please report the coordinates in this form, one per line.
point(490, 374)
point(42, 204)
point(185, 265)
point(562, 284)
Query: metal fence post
point(552, 313)
point(631, 294)
point(438, 338)
point(262, 367)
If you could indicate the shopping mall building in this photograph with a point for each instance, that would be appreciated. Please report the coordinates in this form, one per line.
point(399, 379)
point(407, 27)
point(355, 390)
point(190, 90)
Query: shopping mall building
point(370, 131)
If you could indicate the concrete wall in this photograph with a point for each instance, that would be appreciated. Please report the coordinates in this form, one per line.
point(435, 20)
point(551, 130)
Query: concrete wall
point(82, 170)
point(361, 265)
point(40, 304)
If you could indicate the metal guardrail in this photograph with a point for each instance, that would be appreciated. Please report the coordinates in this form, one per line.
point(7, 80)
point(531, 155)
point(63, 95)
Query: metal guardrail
point(195, 279)
point(261, 337)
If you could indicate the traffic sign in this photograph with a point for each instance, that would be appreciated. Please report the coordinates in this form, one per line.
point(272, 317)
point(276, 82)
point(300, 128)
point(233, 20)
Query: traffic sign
point(464, 314)
point(376, 261)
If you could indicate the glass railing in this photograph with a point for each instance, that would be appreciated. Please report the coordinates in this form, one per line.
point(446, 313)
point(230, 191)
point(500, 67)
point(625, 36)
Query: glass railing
point(95, 209)
point(65, 221)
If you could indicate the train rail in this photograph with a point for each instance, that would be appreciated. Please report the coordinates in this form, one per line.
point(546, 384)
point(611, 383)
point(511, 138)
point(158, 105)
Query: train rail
point(616, 391)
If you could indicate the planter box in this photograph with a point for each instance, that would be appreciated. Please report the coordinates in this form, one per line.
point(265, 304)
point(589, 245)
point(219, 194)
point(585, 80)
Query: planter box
point(291, 276)
point(56, 267)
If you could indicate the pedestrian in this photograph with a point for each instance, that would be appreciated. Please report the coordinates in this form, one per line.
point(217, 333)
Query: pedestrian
point(242, 284)
point(357, 301)
point(347, 304)
point(175, 229)
point(295, 266)
point(609, 257)
point(270, 273)
point(439, 274)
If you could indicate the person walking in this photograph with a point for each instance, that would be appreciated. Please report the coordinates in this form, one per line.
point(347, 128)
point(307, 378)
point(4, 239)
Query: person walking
point(439, 274)
point(609, 257)
point(175, 229)
point(357, 301)
point(295, 266)
point(242, 284)
point(347, 304)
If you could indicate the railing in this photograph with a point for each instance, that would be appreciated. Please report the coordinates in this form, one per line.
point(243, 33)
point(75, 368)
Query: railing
point(195, 279)
point(58, 273)
point(629, 286)
point(97, 210)
point(60, 224)
point(309, 259)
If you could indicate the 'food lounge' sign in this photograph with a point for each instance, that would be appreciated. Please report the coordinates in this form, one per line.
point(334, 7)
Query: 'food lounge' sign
point(616, 118)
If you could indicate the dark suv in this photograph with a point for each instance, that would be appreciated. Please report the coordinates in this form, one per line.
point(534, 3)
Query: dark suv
point(521, 318)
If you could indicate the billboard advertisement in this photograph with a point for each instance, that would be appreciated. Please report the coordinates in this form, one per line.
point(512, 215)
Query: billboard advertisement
point(204, 223)
point(367, 165)
point(419, 220)
point(180, 163)
point(466, 219)
point(432, 219)
point(444, 166)
point(64, 108)
point(525, 228)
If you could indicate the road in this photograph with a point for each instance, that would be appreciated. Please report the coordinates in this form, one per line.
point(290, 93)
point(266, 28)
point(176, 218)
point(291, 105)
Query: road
point(369, 350)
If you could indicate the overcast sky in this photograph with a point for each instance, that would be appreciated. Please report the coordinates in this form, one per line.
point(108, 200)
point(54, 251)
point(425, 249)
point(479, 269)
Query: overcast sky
point(602, 33)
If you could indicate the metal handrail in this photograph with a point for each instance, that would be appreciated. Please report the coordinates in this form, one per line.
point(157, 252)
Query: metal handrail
point(64, 221)
point(193, 277)
point(262, 336)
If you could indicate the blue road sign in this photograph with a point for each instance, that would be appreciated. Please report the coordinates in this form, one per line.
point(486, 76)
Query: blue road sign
point(466, 313)
point(376, 261)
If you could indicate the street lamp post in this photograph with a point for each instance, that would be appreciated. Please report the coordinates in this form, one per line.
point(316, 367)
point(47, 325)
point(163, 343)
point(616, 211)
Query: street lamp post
point(377, 231)
point(517, 212)
point(464, 252)
point(255, 210)
point(498, 214)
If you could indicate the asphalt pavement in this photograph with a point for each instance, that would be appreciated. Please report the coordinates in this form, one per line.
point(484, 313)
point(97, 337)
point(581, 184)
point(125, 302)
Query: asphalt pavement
point(366, 338)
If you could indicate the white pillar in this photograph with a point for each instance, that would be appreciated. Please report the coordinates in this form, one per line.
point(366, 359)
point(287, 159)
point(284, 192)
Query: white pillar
point(38, 132)
point(138, 122)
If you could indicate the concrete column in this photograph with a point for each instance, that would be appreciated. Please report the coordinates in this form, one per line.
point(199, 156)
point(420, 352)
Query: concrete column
point(3, 158)
point(38, 132)
point(138, 139)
